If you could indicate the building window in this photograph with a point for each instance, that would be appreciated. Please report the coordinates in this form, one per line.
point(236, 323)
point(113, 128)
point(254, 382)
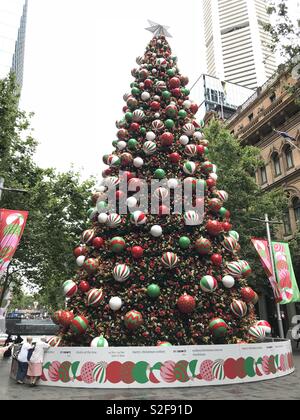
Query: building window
point(263, 175)
point(296, 206)
point(289, 157)
point(250, 117)
point(287, 223)
point(273, 97)
point(276, 163)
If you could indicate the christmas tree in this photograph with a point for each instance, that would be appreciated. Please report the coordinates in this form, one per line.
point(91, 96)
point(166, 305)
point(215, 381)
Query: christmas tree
point(168, 278)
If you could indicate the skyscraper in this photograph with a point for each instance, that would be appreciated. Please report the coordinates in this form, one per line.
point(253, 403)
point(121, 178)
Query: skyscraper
point(236, 43)
point(13, 19)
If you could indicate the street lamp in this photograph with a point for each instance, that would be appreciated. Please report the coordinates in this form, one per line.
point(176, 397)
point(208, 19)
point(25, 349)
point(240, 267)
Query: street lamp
point(289, 139)
point(16, 190)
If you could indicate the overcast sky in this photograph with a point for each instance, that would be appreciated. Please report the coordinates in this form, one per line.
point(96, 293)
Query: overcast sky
point(79, 56)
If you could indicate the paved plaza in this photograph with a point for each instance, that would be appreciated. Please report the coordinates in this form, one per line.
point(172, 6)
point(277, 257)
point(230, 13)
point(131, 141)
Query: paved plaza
point(287, 388)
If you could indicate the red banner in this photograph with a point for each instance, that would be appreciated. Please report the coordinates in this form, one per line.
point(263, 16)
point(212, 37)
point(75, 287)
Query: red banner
point(262, 247)
point(12, 225)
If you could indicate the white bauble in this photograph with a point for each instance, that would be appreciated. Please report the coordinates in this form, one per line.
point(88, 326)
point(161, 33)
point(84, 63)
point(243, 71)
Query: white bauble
point(198, 135)
point(138, 162)
point(101, 189)
point(214, 177)
point(145, 96)
point(215, 169)
point(156, 231)
point(103, 218)
point(228, 282)
point(187, 104)
point(115, 304)
point(156, 98)
point(157, 115)
point(121, 145)
point(173, 183)
point(184, 140)
point(80, 260)
point(131, 202)
point(150, 136)
point(99, 342)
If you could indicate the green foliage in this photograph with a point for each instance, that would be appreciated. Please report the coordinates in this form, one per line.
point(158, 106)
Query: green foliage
point(237, 165)
point(57, 205)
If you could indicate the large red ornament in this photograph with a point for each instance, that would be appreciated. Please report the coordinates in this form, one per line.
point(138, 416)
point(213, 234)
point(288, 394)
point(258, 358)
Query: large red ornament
point(80, 250)
point(186, 304)
point(216, 259)
point(175, 158)
point(155, 106)
point(227, 226)
point(137, 252)
point(194, 108)
point(211, 183)
point(66, 318)
point(135, 127)
point(167, 139)
point(214, 228)
point(148, 83)
point(84, 286)
point(174, 83)
point(98, 242)
point(248, 294)
point(176, 92)
point(200, 150)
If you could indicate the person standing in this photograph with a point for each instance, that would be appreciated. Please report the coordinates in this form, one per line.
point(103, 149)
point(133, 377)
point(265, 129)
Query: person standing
point(23, 360)
point(35, 368)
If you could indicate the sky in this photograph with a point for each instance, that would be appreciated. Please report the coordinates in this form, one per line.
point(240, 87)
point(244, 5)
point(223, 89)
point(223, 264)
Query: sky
point(78, 61)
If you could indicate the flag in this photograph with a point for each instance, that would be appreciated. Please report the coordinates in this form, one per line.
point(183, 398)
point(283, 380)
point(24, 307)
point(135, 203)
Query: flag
point(262, 247)
point(285, 273)
point(285, 135)
point(12, 225)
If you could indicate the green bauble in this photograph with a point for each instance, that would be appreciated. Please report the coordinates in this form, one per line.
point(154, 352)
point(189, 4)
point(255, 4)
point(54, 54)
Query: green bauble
point(102, 206)
point(184, 242)
point(129, 116)
point(182, 114)
point(132, 144)
point(223, 212)
point(143, 131)
point(185, 91)
point(169, 124)
point(159, 174)
point(135, 91)
point(171, 72)
point(166, 95)
point(133, 84)
point(115, 143)
point(91, 212)
point(153, 291)
point(117, 244)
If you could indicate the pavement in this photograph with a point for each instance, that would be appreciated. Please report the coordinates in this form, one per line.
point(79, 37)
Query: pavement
point(287, 388)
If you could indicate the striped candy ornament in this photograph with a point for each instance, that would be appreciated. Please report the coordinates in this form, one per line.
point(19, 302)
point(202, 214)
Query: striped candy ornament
point(149, 148)
point(265, 325)
point(246, 269)
point(233, 234)
point(138, 115)
point(188, 129)
point(113, 161)
point(138, 218)
point(54, 341)
point(218, 328)
point(70, 288)
point(133, 320)
point(218, 370)
point(114, 220)
point(222, 195)
point(158, 125)
point(258, 333)
point(79, 325)
point(90, 265)
point(161, 193)
point(164, 344)
point(117, 244)
point(160, 86)
point(191, 218)
point(239, 308)
point(94, 297)
point(99, 342)
point(191, 150)
point(111, 182)
point(207, 167)
point(234, 269)
point(203, 246)
point(99, 372)
point(189, 168)
point(215, 204)
point(88, 236)
point(169, 260)
point(230, 244)
point(208, 284)
point(121, 272)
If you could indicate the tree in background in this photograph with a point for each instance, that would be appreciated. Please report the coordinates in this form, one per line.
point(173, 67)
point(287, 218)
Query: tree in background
point(56, 202)
point(166, 279)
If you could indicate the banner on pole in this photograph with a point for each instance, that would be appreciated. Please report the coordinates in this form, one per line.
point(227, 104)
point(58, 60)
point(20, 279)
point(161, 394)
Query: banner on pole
point(262, 247)
point(12, 225)
point(285, 273)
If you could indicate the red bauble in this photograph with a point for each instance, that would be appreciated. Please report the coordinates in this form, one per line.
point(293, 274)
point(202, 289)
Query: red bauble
point(148, 83)
point(214, 228)
point(200, 150)
point(98, 242)
point(155, 106)
point(137, 252)
point(84, 286)
point(176, 92)
point(227, 226)
point(163, 211)
point(216, 259)
point(211, 183)
point(248, 294)
point(127, 175)
point(194, 108)
point(175, 157)
point(66, 318)
point(135, 127)
point(122, 134)
point(107, 172)
point(125, 109)
point(167, 139)
point(186, 304)
point(174, 83)
point(80, 250)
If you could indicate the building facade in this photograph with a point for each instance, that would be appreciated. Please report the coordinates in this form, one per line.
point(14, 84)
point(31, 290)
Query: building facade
point(236, 43)
point(12, 37)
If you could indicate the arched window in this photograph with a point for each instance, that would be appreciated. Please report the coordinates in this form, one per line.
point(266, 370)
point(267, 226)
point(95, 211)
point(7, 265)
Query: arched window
point(287, 223)
point(296, 206)
point(263, 175)
point(276, 163)
point(289, 157)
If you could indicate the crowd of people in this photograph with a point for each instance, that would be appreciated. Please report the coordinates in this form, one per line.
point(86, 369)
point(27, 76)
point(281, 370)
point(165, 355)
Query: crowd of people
point(29, 356)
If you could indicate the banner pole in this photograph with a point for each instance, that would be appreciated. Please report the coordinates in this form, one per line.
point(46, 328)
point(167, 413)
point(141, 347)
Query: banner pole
point(280, 323)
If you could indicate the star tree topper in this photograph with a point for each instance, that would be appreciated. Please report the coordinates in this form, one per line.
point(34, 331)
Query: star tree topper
point(159, 30)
